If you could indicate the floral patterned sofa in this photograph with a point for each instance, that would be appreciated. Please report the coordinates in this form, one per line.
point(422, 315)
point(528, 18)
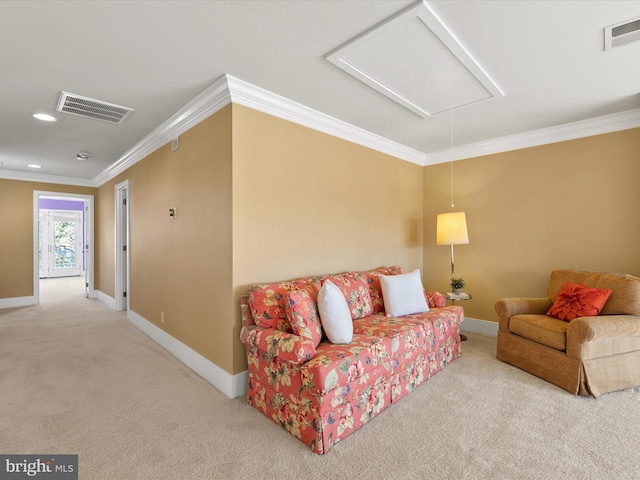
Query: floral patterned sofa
point(322, 394)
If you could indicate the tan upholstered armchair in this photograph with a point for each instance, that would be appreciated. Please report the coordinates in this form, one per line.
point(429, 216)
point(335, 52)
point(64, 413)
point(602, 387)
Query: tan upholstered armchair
point(587, 356)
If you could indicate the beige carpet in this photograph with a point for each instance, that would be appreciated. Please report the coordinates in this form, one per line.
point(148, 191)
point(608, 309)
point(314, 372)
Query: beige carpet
point(76, 377)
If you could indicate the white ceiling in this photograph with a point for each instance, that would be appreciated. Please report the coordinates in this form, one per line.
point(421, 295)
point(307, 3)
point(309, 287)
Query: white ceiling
point(547, 57)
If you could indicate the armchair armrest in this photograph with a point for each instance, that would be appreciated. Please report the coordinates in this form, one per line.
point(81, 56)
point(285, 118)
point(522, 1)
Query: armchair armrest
point(273, 343)
point(507, 307)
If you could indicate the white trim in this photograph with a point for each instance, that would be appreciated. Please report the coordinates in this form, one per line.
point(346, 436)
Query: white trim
point(104, 298)
point(229, 89)
point(248, 95)
point(398, 25)
point(230, 385)
point(204, 105)
point(122, 273)
point(560, 133)
point(43, 178)
point(18, 302)
point(475, 325)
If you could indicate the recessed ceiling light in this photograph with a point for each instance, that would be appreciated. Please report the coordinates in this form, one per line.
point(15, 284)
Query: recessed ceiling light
point(45, 117)
point(33, 165)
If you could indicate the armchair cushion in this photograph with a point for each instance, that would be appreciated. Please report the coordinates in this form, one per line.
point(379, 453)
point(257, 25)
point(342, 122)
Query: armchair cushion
point(541, 329)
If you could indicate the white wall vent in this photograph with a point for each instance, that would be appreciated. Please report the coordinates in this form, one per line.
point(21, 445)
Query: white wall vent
point(622, 33)
point(92, 108)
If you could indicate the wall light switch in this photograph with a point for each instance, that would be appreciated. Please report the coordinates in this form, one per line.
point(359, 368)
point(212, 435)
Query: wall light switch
point(172, 213)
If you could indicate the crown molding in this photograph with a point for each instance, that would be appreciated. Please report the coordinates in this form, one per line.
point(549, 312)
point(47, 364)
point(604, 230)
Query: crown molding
point(228, 89)
point(569, 131)
point(204, 105)
point(44, 178)
point(248, 95)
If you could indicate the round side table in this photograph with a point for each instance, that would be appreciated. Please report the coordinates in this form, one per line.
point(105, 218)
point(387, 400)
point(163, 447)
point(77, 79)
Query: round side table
point(459, 297)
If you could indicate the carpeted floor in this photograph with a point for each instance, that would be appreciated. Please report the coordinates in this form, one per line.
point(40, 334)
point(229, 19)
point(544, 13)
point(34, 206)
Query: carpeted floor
point(76, 377)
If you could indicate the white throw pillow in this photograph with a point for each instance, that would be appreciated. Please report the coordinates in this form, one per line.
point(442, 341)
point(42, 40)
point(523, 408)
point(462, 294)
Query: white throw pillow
point(403, 294)
point(335, 316)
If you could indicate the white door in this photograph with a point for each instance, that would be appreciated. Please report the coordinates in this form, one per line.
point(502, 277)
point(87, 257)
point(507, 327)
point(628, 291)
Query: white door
point(60, 243)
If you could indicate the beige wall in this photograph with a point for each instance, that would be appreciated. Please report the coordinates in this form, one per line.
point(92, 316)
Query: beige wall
point(573, 204)
point(181, 266)
point(306, 203)
point(260, 199)
point(16, 233)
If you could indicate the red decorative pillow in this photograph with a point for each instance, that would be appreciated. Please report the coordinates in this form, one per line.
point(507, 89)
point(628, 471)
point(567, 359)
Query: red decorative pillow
point(303, 315)
point(576, 300)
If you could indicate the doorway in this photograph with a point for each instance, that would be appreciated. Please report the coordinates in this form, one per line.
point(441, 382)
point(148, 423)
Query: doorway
point(63, 235)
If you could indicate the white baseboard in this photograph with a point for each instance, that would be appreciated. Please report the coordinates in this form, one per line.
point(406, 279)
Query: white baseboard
point(104, 298)
point(475, 325)
point(231, 385)
point(17, 302)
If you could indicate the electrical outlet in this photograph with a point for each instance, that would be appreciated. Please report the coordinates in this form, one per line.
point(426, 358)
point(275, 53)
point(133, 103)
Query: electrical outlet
point(161, 316)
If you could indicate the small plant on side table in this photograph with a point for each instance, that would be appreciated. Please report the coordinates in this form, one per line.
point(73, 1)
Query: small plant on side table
point(457, 284)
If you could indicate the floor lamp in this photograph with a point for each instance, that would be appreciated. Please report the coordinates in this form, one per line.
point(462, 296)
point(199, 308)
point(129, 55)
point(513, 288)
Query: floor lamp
point(451, 229)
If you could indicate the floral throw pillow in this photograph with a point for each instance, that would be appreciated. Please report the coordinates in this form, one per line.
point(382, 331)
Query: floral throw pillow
point(435, 299)
point(303, 315)
point(355, 288)
point(577, 300)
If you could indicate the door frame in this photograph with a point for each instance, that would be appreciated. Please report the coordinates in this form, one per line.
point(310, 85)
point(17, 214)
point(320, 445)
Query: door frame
point(89, 238)
point(122, 261)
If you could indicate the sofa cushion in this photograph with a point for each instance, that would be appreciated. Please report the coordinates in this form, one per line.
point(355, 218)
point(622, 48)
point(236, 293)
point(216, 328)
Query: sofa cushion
point(379, 342)
point(540, 329)
point(625, 295)
point(334, 313)
point(375, 290)
point(403, 294)
point(267, 301)
point(302, 314)
point(577, 300)
point(355, 288)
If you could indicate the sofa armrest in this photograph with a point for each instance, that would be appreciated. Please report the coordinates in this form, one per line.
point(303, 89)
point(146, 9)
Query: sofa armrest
point(273, 343)
point(508, 307)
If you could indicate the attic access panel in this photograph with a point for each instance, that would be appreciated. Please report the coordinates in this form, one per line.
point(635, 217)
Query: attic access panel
point(416, 60)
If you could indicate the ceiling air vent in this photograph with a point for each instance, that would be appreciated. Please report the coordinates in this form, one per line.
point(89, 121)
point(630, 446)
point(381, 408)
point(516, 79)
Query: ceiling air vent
point(92, 108)
point(622, 33)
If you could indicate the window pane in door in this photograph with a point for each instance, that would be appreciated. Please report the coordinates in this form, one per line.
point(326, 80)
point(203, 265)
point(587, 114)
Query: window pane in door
point(65, 244)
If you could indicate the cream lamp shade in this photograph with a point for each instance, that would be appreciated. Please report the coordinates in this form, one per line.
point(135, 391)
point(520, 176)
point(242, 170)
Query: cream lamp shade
point(451, 229)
